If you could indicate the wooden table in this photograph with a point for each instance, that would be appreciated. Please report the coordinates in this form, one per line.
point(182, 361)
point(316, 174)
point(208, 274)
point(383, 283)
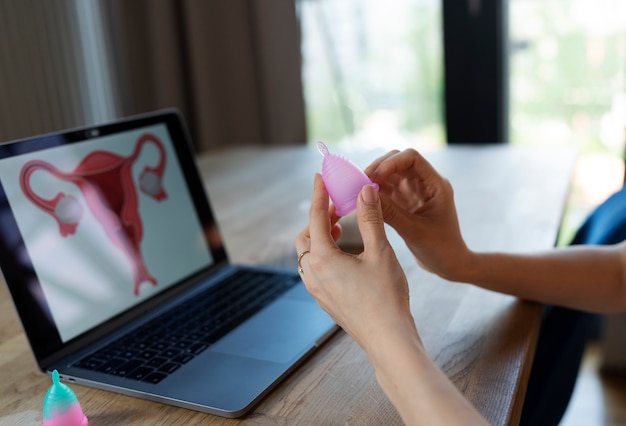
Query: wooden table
point(508, 199)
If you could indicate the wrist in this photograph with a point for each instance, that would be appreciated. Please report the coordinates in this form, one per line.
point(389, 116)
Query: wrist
point(417, 387)
point(402, 337)
point(397, 353)
point(464, 267)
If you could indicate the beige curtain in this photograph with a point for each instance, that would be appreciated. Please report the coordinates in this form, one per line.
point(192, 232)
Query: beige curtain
point(233, 67)
point(47, 79)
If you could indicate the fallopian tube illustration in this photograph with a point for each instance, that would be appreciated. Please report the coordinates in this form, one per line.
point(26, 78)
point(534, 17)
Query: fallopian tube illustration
point(106, 181)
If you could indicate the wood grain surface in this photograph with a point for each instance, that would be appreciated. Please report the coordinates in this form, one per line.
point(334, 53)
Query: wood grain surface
point(508, 198)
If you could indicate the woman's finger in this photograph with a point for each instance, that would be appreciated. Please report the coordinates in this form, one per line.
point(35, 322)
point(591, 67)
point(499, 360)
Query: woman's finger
point(369, 169)
point(319, 220)
point(399, 163)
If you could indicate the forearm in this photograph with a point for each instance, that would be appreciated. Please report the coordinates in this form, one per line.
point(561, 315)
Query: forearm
point(416, 386)
point(582, 277)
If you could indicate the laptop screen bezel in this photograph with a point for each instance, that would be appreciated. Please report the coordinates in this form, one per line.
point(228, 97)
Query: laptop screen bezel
point(19, 273)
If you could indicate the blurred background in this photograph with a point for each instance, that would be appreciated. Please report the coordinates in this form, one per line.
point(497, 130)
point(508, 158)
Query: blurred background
point(353, 73)
point(373, 76)
point(373, 73)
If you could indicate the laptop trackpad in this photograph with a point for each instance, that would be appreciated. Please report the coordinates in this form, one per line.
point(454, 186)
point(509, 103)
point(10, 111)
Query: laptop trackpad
point(279, 333)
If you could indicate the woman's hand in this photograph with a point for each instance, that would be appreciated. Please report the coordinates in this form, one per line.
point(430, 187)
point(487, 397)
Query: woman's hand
point(419, 204)
point(365, 294)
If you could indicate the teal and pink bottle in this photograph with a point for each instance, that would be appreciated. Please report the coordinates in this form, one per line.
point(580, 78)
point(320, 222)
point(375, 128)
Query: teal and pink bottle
point(61, 407)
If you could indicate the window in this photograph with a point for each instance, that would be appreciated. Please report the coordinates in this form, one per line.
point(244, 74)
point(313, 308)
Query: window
point(567, 87)
point(568, 70)
point(372, 72)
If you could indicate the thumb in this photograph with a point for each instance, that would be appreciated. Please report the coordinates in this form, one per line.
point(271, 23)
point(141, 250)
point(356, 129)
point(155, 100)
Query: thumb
point(370, 219)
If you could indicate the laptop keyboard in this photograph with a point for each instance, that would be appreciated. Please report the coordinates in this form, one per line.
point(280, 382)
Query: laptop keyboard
point(165, 343)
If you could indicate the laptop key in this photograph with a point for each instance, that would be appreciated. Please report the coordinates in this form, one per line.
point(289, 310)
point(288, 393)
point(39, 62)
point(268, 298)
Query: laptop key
point(159, 346)
point(182, 358)
point(170, 353)
point(154, 377)
point(156, 362)
point(90, 363)
point(147, 354)
point(125, 369)
point(183, 344)
point(139, 373)
point(111, 365)
point(170, 367)
point(129, 354)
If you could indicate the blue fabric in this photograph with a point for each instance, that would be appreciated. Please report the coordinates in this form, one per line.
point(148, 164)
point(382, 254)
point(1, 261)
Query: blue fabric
point(565, 332)
point(606, 224)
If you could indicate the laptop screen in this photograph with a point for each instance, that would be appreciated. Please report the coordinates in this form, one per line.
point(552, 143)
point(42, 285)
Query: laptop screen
point(95, 221)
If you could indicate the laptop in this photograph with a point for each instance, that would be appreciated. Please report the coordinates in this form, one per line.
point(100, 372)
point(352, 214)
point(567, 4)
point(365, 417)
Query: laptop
point(117, 270)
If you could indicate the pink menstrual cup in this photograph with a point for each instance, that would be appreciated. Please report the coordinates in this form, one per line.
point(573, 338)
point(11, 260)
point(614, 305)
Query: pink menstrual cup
point(61, 407)
point(343, 180)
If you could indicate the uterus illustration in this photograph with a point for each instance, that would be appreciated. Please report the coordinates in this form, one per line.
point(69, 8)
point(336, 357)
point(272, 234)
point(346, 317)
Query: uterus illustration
point(106, 183)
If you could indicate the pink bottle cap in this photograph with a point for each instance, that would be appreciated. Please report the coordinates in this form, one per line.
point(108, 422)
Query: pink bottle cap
point(343, 180)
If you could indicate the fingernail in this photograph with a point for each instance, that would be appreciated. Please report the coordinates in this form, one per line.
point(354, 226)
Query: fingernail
point(370, 195)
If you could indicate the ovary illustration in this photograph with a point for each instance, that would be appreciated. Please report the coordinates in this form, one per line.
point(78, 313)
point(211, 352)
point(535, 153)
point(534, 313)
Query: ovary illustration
point(106, 182)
